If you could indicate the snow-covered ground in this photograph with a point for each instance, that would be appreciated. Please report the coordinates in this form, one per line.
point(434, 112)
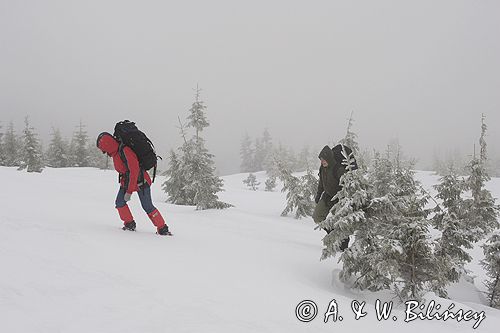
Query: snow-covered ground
point(66, 266)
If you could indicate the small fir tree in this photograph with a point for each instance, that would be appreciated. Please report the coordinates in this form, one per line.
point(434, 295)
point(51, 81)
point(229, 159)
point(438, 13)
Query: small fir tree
point(270, 184)
point(252, 182)
point(175, 182)
point(299, 192)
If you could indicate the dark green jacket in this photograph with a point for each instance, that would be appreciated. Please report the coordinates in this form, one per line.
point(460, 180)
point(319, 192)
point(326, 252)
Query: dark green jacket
point(329, 177)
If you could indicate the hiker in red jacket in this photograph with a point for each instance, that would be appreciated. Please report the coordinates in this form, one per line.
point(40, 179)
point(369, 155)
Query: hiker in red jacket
point(131, 180)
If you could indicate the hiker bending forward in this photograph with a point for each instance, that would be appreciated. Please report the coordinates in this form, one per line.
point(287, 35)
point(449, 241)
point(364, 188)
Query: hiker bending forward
point(132, 179)
point(330, 172)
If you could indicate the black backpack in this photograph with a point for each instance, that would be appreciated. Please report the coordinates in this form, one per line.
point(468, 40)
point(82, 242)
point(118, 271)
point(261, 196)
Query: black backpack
point(339, 157)
point(129, 135)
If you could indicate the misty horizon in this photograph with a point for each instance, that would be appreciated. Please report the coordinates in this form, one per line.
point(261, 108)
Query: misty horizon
point(422, 72)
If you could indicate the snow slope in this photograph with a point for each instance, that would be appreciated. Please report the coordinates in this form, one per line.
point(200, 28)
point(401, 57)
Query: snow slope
point(66, 266)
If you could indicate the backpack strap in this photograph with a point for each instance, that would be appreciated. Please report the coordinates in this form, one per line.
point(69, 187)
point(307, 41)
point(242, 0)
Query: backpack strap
point(124, 160)
point(154, 169)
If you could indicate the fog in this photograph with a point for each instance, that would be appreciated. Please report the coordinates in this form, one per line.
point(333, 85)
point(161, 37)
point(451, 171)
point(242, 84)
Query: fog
point(419, 71)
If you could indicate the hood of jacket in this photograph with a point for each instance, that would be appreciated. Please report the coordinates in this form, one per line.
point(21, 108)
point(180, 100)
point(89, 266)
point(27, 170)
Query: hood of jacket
point(107, 143)
point(327, 154)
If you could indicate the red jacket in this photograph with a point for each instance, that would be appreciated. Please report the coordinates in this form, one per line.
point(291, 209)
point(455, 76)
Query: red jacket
point(125, 162)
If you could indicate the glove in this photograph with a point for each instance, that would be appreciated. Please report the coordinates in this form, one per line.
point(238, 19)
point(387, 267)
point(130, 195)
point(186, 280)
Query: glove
point(127, 197)
point(318, 197)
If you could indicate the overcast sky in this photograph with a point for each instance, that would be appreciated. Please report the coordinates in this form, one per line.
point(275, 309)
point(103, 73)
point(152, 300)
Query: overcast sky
point(421, 71)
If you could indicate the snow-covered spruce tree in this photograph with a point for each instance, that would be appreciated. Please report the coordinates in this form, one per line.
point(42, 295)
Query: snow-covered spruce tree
point(247, 154)
point(481, 208)
point(381, 175)
point(79, 147)
point(369, 260)
point(260, 155)
point(491, 264)
point(305, 160)
point(12, 147)
point(416, 261)
point(58, 152)
point(199, 180)
point(270, 184)
point(204, 182)
point(31, 153)
point(391, 246)
point(351, 139)
point(299, 192)
point(176, 181)
point(252, 182)
point(2, 149)
point(272, 170)
point(267, 144)
point(451, 220)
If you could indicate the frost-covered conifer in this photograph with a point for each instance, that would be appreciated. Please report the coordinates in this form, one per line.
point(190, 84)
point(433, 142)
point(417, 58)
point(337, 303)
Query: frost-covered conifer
point(299, 192)
point(368, 260)
point(12, 147)
point(79, 148)
point(351, 139)
point(270, 184)
point(491, 263)
point(267, 144)
point(2, 149)
point(306, 160)
point(381, 175)
point(58, 152)
point(416, 261)
point(31, 153)
point(97, 159)
point(175, 182)
point(252, 182)
point(247, 154)
point(481, 208)
point(391, 246)
point(194, 180)
point(260, 155)
point(452, 222)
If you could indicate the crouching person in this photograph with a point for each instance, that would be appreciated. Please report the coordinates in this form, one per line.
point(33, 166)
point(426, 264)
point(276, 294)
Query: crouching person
point(132, 179)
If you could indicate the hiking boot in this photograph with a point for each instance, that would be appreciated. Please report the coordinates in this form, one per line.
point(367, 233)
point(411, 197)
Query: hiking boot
point(164, 231)
point(129, 226)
